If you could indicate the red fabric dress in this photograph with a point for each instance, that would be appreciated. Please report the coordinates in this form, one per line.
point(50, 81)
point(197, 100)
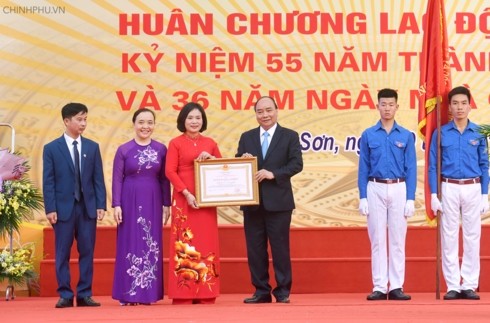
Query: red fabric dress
point(194, 246)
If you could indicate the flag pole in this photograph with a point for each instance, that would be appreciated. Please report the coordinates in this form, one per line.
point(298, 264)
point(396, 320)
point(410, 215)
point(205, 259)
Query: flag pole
point(435, 83)
point(438, 215)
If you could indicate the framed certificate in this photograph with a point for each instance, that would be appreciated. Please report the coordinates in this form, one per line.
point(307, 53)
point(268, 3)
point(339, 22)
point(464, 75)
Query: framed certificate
point(226, 181)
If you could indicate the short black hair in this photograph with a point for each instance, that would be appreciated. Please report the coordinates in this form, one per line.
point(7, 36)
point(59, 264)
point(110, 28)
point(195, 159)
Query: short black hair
point(137, 113)
point(186, 109)
point(72, 109)
point(265, 97)
point(459, 90)
point(387, 93)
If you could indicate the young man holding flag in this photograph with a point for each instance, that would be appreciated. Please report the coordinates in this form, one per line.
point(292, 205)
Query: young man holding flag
point(464, 194)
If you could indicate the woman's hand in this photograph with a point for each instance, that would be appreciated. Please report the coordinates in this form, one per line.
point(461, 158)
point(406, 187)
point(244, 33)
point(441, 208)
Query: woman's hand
point(191, 200)
point(118, 214)
point(166, 214)
point(204, 155)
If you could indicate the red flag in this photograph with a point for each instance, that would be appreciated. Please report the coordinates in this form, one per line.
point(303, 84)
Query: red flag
point(435, 82)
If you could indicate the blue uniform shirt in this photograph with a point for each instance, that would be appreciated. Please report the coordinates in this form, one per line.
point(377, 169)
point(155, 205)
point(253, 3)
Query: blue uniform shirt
point(464, 155)
point(387, 155)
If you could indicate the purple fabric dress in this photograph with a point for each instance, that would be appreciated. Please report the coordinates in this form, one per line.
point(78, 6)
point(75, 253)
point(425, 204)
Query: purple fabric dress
point(140, 188)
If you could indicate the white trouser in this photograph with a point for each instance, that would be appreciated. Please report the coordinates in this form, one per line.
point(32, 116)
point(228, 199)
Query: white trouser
point(461, 201)
point(386, 203)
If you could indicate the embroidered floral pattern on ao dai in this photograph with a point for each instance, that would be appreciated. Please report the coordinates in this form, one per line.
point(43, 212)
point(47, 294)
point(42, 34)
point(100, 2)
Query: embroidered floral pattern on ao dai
point(143, 266)
point(147, 156)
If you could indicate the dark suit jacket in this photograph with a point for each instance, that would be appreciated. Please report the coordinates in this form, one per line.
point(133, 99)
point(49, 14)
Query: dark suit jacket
point(58, 178)
point(284, 159)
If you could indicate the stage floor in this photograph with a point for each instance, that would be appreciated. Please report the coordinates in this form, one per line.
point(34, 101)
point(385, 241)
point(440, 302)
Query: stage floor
point(230, 308)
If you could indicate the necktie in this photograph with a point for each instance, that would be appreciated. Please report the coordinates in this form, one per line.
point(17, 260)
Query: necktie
point(76, 157)
point(265, 144)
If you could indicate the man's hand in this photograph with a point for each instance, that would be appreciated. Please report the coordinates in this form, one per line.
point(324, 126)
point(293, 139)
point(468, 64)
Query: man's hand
point(52, 217)
point(263, 174)
point(435, 204)
point(409, 208)
point(484, 204)
point(100, 214)
point(363, 207)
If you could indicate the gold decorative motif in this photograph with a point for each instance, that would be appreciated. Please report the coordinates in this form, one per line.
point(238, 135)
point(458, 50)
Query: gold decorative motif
point(191, 267)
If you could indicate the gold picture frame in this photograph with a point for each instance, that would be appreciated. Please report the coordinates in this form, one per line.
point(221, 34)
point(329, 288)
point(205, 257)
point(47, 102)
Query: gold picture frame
point(226, 182)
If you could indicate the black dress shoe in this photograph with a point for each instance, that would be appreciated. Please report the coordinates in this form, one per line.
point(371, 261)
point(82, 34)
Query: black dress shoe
point(86, 301)
point(398, 295)
point(64, 302)
point(376, 296)
point(256, 299)
point(451, 295)
point(283, 299)
point(469, 294)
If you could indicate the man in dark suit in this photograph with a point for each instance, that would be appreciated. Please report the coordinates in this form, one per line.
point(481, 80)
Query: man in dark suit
point(74, 198)
point(279, 158)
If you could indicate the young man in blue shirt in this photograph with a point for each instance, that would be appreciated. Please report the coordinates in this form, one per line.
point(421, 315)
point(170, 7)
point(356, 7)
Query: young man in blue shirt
point(464, 194)
point(387, 181)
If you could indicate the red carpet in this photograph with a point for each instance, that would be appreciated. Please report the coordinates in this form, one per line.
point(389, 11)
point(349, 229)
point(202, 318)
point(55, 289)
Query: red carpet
point(229, 308)
point(324, 260)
